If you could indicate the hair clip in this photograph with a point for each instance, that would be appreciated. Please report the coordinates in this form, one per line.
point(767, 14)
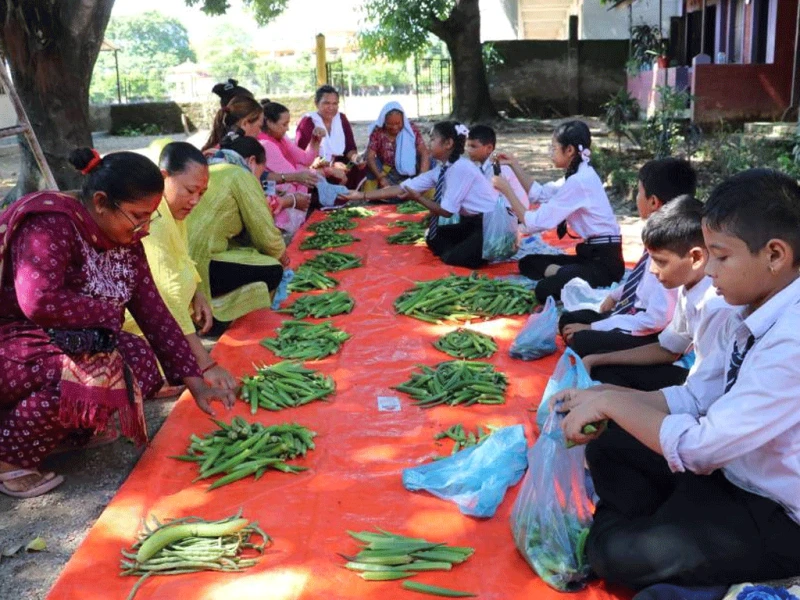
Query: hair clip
point(93, 163)
point(585, 153)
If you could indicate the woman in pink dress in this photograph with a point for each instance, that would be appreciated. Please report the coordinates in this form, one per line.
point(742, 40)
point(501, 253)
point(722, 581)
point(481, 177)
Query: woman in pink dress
point(70, 264)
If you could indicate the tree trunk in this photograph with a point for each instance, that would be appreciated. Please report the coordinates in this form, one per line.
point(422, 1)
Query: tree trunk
point(461, 32)
point(51, 47)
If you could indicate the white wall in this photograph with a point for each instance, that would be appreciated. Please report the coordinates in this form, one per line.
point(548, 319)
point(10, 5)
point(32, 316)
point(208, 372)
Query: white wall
point(498, 20)
point(596, 22)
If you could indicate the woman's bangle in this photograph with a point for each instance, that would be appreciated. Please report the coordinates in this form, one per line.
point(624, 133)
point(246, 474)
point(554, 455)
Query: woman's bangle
point(294, 200)
point(283, 177)
point(208, 367)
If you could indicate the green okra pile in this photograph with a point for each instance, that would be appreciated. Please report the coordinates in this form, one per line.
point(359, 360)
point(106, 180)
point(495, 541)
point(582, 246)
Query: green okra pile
point(333, 261)
point(413, 233)
point(329, 225)
point(466, 343)
point(321, 306)
point(306, 279)
point(457, 382)
point(384, 556)
point(306, 341)
point(192, 544)
point(463, 298)
point(327, 239)
point(352, 212)
point(409, 207)
point(285, 385)
point(405, 223)
point(555, 564)
point(242, 449)
point(463, 438)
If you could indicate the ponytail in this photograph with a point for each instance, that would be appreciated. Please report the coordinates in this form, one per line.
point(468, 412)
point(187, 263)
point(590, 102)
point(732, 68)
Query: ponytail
point(236, 110)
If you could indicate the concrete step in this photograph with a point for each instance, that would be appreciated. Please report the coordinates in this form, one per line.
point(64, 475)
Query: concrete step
point(770, 129)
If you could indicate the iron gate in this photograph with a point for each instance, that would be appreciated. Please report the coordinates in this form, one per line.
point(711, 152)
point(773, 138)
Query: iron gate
point(432, 83)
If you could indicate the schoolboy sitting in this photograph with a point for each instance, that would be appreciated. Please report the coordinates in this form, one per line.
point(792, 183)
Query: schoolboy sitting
point(481, 143)
point(633, 314)
point(699, 483)
point(673, 237)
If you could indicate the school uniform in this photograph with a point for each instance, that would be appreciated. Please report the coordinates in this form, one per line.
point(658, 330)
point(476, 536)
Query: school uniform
point(582, 203)
point(699, 314)
point(643, 309)
point(487, 168)
point(723, 503)
point(460, 189)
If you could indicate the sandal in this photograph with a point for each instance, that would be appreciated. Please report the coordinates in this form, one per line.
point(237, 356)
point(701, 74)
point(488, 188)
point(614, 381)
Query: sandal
point(47, 482)
point(80, 442)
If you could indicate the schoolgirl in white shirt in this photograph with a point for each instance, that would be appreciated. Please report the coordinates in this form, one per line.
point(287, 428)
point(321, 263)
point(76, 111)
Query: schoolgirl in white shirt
point(460, 189)
point(577, 201)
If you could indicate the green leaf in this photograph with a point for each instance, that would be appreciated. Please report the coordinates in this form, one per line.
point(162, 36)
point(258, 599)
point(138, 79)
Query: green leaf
point(37, 544)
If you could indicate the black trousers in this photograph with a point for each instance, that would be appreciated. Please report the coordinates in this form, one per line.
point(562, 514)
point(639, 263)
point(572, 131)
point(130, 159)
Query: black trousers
point(647, 378)
point(653, 526)
point(224, 277)
point(460, 245)
point(599, 265)
point(590, 341)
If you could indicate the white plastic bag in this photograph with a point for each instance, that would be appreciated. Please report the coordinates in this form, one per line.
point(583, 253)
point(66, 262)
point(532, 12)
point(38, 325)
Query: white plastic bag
point(579, 295)
point(500, 233)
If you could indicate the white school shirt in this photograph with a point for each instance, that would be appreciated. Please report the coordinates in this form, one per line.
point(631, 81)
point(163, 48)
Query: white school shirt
point(466, 191)
point(487, 168)
point(752, 433)
point(580, 200)
point(654, 305)
point(699, 315)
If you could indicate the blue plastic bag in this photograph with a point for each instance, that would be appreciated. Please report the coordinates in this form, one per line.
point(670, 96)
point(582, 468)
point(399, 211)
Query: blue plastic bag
point(475, 478)
point(283, 289)
point(538, 338)
point(569, 373)
point(552, 514)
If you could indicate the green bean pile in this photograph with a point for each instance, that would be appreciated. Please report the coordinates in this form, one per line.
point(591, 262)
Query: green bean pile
point(463, 438)
point(385, 556)
point(306, 341)
point(321, 306)
point(413, 233)
point(306, 279)
point(410, 207)
point(457, 382)
point(327, 239)
point(404, 223)
point(463, 298)
point(241, 449)
point(285, 385)
point(191, 544)
point(329, 225)
point(466, 343)
point(352, 212)
point(333, 261)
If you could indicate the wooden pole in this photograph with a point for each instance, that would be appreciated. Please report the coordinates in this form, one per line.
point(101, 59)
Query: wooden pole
point(322, 72)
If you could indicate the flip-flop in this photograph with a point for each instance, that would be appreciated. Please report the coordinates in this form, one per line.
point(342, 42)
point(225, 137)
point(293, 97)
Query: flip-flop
point(48, 482)
point(109, 436)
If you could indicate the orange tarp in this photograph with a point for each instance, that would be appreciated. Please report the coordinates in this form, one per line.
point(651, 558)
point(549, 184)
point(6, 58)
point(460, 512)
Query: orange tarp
point(354, 476)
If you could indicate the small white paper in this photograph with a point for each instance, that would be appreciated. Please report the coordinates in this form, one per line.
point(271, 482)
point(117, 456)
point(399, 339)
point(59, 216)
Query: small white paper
point(389, 403)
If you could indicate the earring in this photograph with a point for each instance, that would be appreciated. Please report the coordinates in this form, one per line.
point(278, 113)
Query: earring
point(772, 270)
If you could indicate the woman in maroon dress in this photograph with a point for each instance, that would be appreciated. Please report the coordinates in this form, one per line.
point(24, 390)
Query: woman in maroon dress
point(70, 264)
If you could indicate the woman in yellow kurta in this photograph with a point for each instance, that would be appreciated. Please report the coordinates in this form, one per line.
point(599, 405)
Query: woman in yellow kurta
point(238, 251)
point(185, 175)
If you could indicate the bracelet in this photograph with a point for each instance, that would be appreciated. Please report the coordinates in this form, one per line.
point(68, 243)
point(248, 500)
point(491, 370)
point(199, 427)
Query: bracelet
point(283, 177)
point(294, 200)
point(208, 367)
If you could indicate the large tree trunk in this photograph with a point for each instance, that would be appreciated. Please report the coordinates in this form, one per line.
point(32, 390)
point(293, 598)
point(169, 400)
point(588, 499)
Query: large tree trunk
point(51, 47)
point(461, 32)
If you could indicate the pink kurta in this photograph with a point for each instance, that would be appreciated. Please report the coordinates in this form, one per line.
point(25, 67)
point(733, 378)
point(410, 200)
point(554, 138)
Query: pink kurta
point(284, 156)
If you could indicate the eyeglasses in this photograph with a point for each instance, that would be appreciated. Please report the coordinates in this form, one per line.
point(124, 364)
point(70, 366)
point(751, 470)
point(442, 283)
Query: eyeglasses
point(138, 227)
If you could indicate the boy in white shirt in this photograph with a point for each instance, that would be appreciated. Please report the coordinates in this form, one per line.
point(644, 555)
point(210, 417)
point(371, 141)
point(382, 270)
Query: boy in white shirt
point(673, 237)
point(481, 143)
point(700, 484)
point(634, 313)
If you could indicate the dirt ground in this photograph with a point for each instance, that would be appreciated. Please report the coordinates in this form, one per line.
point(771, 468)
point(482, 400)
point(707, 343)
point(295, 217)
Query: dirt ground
point(64, 516)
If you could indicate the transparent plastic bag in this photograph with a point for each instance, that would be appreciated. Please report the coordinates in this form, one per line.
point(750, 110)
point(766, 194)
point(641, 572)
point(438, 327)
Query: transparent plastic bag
point(538, 338)
point(475, 478)
point(500, 233)
point(579, 295)
point(552, 514)
point(569, 373)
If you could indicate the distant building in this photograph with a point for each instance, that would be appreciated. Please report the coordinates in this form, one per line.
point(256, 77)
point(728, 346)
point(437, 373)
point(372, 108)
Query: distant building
point(188, 81)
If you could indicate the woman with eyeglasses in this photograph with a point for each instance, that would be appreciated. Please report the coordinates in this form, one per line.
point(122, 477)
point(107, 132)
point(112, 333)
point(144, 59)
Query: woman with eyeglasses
point(185, 173)
point(70, 264)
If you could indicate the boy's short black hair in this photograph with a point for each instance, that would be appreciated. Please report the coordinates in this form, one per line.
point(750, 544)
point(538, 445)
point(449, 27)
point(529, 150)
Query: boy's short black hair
point(677, 227)
point(484, 134)
point(756, 206)
point(668, 178)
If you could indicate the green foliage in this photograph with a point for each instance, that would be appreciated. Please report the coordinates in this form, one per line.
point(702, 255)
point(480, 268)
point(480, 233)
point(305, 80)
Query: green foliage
point(663, 130)
point(646, 42)
point(618, 171)
point(619, 111)
point(229, 53)
point(730, 153)
point(401, 27)
point(263, 10)
point(491, 57)
point(133, 131)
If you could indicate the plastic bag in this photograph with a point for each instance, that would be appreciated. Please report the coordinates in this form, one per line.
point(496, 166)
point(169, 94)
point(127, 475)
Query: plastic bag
point(552, 514)
point(577, 294)
point(538, 338)
point(569, 373)
point(452, 220)
point(282, 292)
point(500, 233)
point(475, 478)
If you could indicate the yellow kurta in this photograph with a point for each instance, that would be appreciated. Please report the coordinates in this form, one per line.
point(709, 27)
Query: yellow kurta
point(232, 223)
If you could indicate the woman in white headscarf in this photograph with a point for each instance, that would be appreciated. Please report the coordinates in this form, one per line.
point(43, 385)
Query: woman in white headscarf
point(396, 150)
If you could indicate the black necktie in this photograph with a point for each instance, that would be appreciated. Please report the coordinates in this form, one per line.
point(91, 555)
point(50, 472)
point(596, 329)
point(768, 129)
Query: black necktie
point(736, 362)
point(433, 223)
point(628, 298)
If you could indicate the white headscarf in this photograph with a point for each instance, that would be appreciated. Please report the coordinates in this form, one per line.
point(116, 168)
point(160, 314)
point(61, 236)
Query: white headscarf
point(333, 143)
point(405, 145)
